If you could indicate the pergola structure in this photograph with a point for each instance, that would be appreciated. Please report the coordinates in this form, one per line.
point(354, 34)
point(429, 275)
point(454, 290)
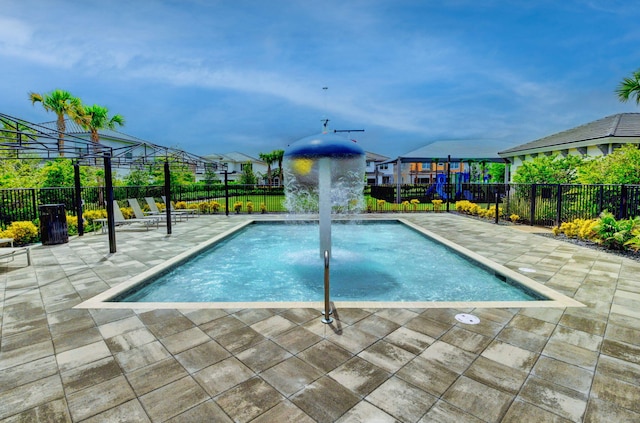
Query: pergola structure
point(20, 139)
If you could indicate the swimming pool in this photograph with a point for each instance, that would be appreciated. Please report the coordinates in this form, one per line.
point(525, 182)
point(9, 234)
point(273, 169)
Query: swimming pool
point(372, 261)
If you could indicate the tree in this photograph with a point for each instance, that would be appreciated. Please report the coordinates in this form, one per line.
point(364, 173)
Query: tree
point(620, 167)
point(496, 172)
point(629, 88)
point(94, 118)
point(549, 170)
point(247, 177)
point(268, 158)
point(62, 103)
point(278, 157)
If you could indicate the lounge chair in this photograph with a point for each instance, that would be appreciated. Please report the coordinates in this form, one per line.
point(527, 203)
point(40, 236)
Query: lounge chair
point(139, 214)
point(11, 252)
point(119, 219)
point(187, 212)
point(156, 211)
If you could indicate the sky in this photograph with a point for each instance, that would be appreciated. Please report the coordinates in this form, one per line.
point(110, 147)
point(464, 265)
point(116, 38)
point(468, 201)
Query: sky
point(253, 76)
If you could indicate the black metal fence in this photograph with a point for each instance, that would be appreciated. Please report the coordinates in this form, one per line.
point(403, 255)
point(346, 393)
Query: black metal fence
point(536, 204)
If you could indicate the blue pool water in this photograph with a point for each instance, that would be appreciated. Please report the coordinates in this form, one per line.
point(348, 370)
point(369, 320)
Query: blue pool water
point(372, 261)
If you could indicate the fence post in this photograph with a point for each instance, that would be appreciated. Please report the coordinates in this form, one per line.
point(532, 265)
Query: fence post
point(622, 214)
point(34, 204)
point(559, 205)
point(601, 200)
point(497, 206)
point(533, 204)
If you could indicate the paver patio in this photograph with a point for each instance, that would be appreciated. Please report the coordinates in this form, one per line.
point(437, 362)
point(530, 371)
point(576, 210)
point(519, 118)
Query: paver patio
point(59, 364)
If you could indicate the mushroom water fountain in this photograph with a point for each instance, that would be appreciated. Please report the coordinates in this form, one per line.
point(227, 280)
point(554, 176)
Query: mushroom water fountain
point(324, 173)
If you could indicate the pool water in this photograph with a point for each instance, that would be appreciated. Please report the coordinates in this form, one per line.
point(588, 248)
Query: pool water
point(371, 261)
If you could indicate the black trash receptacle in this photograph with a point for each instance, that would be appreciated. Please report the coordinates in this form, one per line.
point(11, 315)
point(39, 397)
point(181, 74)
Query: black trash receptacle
point(53, 224)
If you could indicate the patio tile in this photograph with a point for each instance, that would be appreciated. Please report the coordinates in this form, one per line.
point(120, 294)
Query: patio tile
point(142, 356)
point(54, 411)
point(297, 339)
point(263, 355)
point(576, 337)
point(410, 340)
point(353, 339)
point(300, 315)
point(359, 375)
point(531, 324)
point(571, 354)
point(129, 411)
point(24, 397)
point(510, 355)
point(248, 400)
point(163, 323)
point(602, 411)
point(427, 326)
point(365, 412)
point(223, 375)
point(521, 411)
point(428, 375)
point(478, 399)
point(496, 375)
point(376, 326)
point(201, 356)
point(82, 355)
point(616, 391)
point(130, 340)
point(325, 400)
point(240, 339)
point(523, 339)
point(250, 316)
point(621, 350)
point(443, 412)
point(272, 326)
point(207, 411)
point(203, 315)
point(90, 374)
point(22, 374)
point(25, 339)
point(401, 400)
point(120, 327)
point(622, 334)
point(99, 398)
point(397, 315)
point(466, 340)
point(184, 340)
point(557, 399)
point(387, 356)
point(25, 354)
point(325, 355)
point(155, 375)
point(291, 375)
point(451, 357)
point(350, 315)
point(107, 315)
point(185, 393)
point(563, 374)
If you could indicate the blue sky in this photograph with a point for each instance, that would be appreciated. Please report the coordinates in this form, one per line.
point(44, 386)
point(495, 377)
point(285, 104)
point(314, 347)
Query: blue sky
point(219, 76)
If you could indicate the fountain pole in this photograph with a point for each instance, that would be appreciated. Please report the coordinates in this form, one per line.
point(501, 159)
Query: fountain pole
point(324, 197)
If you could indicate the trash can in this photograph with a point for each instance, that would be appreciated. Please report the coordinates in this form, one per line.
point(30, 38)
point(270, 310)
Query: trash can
point(53, 224)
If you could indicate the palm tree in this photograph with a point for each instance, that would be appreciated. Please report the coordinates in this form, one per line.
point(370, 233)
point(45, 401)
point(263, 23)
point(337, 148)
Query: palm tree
point(268, 158)
point(278, 155)
point(93, 118)
point(629, 87)
point(61, 103)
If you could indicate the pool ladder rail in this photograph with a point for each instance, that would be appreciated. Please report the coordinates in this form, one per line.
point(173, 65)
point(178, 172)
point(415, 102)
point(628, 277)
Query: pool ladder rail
point(327, 306)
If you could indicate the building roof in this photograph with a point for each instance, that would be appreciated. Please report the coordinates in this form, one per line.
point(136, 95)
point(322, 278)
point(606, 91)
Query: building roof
point(621, 125)
point(480, 150)
point(374, 157)
point(234, 157)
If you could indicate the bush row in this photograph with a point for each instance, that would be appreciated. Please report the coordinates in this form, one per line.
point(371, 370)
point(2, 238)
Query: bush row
point(606, 230)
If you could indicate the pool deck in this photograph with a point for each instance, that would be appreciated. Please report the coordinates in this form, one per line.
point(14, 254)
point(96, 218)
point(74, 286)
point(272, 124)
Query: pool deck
point(59, 363)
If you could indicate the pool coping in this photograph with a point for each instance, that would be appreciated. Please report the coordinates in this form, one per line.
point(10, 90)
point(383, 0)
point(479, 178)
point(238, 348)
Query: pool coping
point(555, 299)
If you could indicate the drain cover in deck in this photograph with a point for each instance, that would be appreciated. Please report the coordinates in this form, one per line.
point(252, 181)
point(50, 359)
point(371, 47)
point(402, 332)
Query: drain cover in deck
point(469, 319)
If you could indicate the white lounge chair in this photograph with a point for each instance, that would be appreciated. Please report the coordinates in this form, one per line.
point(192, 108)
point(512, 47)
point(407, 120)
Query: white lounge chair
point(119, 219)
point(11, 252)
point(139, 214)
point(156, 211)
point(187, 212)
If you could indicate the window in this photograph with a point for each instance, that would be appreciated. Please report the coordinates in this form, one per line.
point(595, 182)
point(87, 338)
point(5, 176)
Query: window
point(455, 165)
point(384, 166)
